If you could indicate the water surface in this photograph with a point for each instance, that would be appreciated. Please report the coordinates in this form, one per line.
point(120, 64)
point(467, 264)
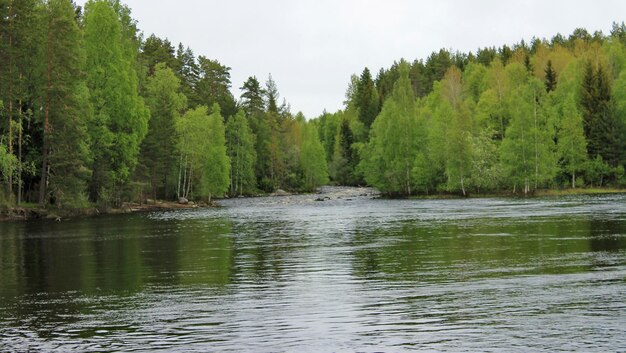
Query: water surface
point(347, 274)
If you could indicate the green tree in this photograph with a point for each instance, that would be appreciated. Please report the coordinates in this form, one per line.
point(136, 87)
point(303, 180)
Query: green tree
point(204, 166)
point(155, 50)
point(20, 77)
point(158, 150)
point(241, 151)
point(192, 132)
point(187, 71)
point(313, 158)
point(572, 146)
point(344, 158)
point(65, 154)
point(550, 77)
point(391, 155)
point(213, 86)
point(367, 101)
point(602, 128)
point(121, 119)
point(527, 152)
point(216, 173)
point(458, 145)
point(252, 100)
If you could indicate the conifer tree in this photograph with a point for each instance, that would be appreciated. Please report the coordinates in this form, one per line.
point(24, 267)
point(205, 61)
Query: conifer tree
point(367, 101)
point(158, 156)
point(550, 77)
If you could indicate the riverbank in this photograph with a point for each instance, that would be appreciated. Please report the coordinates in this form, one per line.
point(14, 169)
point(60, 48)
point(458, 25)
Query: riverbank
point(538, 193)
point(32, 212)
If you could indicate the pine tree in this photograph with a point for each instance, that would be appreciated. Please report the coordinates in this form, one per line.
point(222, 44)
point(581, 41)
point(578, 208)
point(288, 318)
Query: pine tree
point(550, 77)
point(213, 86)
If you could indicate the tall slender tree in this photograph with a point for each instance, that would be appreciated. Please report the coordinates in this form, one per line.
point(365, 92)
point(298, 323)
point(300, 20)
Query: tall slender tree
point(121, 119)
point(157, 155)
point(241, 142)
point(65, 154)
point(367, 101)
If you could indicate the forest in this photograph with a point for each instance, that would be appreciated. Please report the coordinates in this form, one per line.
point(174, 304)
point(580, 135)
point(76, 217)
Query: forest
point(92, 112)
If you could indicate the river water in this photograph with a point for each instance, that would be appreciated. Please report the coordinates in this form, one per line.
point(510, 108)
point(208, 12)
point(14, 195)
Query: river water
point(350, 273)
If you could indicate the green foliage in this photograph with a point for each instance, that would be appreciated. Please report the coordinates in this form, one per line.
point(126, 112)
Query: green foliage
point(550, 77)
point(527, 152)
point(73, 118)
point(213, 86)
point(367, 101)
point(572, 146)
point(216, 171)
point(389, 158)
point(158, 157)
point(345, 160)
point(313, 159)
point(602, 128)
point(241, 142)
point(121, 119)
point(67, 109)
point(204, 165)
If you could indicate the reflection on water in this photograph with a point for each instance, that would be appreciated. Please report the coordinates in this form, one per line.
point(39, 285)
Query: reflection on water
point(298, 275)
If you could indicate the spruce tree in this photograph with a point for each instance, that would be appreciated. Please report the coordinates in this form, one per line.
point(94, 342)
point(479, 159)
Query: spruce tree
point(367, 100)
point(157, 156)
point(550, 77)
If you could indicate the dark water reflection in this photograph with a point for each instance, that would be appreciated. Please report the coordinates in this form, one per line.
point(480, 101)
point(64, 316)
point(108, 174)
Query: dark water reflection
point(291, 274)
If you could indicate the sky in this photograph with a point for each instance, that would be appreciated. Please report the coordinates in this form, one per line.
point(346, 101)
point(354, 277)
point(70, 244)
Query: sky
point(312, 47)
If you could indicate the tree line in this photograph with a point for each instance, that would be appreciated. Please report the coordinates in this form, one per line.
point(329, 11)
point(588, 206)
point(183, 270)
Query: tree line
point(93, 113)
point(549, 114)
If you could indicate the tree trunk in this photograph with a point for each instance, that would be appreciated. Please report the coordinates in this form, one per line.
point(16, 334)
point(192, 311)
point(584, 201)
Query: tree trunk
point(10, 178)
point(46, 127)
point(180, 174)
point(536, 141)
point(463, 186)
point(573, 180)
point(19, 157)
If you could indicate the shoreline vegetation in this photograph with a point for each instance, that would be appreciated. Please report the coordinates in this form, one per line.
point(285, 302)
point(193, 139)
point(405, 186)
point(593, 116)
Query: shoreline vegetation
point(96, 115)
point(30, 212)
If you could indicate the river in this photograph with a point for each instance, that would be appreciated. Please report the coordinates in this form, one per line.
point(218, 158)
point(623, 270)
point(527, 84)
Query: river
point(349, 273)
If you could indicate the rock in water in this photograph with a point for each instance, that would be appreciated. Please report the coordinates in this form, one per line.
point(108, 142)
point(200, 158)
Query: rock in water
point(183, 201)
point(281, 192)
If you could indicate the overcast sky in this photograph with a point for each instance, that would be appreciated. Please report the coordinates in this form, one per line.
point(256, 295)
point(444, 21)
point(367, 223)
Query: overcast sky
point(311, 47)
